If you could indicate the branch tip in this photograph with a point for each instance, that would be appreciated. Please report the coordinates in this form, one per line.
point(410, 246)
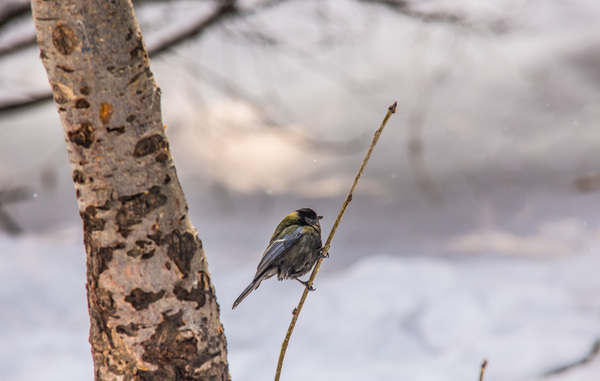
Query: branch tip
point(482, 369)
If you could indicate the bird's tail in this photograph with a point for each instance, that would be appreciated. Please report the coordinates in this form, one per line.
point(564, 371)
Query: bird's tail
point(251, 287)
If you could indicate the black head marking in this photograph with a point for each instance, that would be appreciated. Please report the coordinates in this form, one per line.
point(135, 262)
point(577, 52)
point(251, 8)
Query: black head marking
point(307, 214)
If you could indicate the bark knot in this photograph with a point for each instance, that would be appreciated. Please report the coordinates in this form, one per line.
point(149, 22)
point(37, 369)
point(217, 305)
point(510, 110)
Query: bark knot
point(135, 207)
point(91, 222)
point(149, 144)
point(140, 299)
point(64, 39)
point(83, 136)
point(196, 294)
point(181, 249)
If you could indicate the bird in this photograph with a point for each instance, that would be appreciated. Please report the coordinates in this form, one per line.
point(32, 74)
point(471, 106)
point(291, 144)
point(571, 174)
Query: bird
point(294, 248)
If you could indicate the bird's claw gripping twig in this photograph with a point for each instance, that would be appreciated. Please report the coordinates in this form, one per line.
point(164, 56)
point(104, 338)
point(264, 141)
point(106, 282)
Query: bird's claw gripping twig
point(305, 283)
point(321, 254)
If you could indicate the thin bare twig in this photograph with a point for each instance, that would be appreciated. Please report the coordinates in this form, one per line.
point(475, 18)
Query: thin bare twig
point(296, 312)
point(593, 352)
point(17, 46)
point(482, 369)
point(224, 9)
point(11, 196)
point(19, 105)
point(11, 10)
point(415, 123)
point(443, 16)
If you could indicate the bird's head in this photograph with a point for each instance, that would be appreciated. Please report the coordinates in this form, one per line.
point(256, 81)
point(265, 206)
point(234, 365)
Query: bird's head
point(307, 216)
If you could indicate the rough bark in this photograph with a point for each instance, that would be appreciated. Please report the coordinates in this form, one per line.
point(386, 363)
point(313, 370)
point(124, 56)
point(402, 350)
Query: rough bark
point(153, 311)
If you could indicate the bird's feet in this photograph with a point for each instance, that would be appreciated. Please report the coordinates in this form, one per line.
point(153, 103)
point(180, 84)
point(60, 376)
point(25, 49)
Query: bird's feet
point(321, 254)
point(305, 283)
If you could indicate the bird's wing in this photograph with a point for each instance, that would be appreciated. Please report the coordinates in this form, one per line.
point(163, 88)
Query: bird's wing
point(277, 248)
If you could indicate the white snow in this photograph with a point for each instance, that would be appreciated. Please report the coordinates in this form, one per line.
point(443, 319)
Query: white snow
point(383, 318)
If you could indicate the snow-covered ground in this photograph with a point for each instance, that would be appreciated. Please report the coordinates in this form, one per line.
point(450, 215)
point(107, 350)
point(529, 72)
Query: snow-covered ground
point(384, 317)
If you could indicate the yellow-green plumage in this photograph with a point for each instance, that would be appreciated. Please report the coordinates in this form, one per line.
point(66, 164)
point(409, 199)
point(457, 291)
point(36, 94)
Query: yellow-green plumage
point(289, 220)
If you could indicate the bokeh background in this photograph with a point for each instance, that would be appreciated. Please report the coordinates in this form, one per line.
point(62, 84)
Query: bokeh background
point(473, 233)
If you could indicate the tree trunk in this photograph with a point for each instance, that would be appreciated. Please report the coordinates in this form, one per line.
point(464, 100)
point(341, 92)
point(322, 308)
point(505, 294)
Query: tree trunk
point(153, 310)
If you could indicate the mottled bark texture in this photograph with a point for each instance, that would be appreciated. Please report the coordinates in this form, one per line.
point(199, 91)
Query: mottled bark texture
point(153, 311)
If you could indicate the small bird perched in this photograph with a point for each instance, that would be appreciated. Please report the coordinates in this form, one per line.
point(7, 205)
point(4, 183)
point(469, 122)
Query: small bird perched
point(294, 249)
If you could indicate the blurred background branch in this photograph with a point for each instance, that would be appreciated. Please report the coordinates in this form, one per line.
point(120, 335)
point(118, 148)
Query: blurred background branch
point(17, 33)
point(175, 26)
point(10, 196)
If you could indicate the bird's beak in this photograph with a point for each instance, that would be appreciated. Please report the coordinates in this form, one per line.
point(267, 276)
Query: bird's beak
point(319, 217)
